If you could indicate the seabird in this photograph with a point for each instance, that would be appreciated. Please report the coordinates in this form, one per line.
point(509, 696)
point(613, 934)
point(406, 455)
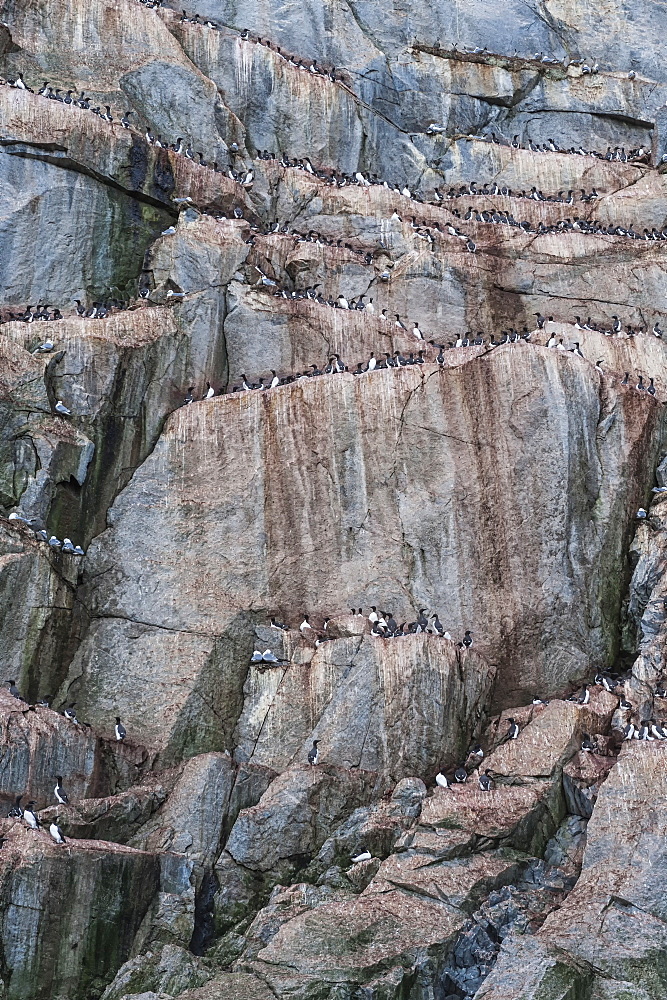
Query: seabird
point(658, 731)
point(60, 792)
point(584, 697)
point(373, 616)
point(641, 514)
point(364, 856)
point(30, 817)
point(629, 731)
point(67, 545)
point(44, 348)
point(587, 744)
point(16, 812)
point(513, 730)
point(256, 657)
point(70, 714)
point(460, 775)
point(13, 690)
point(305, 624)
point(467, 639)
point(54, 542)
point(56, 832)
point(485, 782)
point(278, 625)
point(437, 626)
point(210, 391)
point(441, 779)
point(269, 657)
point(314, 753)
point(169, 232)
point(642, 732)
point(119, 730)
point(62, 409)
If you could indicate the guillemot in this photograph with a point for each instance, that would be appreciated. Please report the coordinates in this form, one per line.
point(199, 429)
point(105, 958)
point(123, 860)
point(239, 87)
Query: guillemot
point(60, 793)
point(513, 730)
point(314, 753)
point(364, 856)
point(30, 816)
point(56, 832)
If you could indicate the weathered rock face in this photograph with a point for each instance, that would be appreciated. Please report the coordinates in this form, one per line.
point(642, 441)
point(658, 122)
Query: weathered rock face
point(251, 174)
point(396, 459)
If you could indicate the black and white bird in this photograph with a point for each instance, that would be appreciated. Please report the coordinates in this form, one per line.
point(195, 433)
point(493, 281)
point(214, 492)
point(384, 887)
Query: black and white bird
point(60, 793)
point(13, 690)
point(513, 730)
point(485, 782)
point(16, 812)
point(70, 714)
point(119, 730)
point(436, 626)
point(279, 626)
point(629, 731)
point(305, 626)
point(30, 816)
point(364, 856)
point(658, 731)
point(44, 348)
point(584, 697)
point(467, 639)
point(460, 775)
point(587, 744)
point(314, 753)
point(56, 832)
point(441, 779)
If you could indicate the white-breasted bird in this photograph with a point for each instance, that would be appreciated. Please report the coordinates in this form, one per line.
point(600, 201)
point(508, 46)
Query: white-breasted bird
point(56, 833)
point(364, 856)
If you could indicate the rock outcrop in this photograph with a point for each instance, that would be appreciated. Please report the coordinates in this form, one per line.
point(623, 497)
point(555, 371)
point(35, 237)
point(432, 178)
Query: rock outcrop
point(350, 310)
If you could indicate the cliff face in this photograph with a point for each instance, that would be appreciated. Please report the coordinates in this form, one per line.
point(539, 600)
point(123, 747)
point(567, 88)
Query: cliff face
point(487, 189)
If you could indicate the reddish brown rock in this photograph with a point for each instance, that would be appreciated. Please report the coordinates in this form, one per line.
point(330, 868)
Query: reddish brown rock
point(552, 735)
